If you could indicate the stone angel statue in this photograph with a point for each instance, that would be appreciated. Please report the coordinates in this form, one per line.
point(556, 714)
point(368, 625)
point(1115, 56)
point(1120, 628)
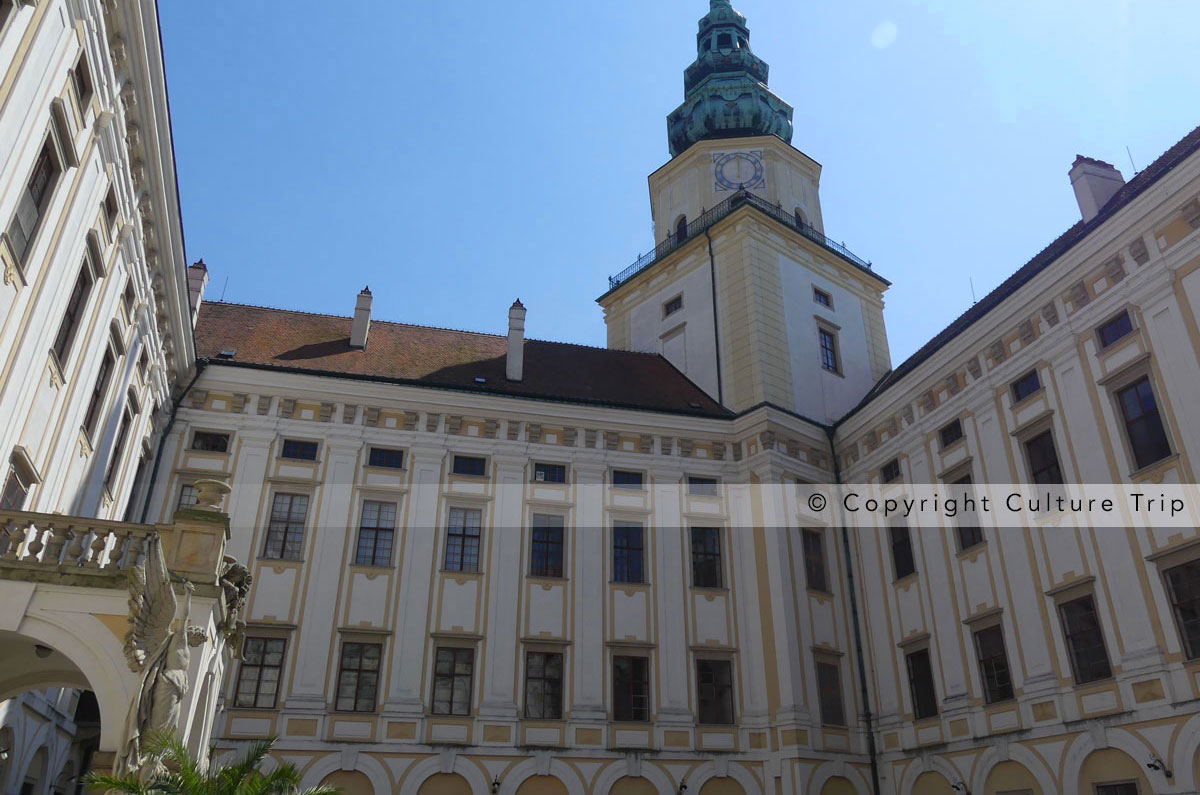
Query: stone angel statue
point(156, 650)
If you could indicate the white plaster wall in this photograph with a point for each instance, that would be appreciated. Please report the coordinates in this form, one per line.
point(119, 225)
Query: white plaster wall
point(648, 328)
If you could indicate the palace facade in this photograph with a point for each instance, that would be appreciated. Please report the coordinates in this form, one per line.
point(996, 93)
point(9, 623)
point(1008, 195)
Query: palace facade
point(485, 563)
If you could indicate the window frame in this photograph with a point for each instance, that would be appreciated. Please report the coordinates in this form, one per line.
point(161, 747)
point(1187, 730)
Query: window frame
point(552, 551)
point(1189, 645)
point(1133, 383)
point(189, 489)
point(296, 445)
point(378, 529)
point(72, 319)
point(1018, 384)
point(14, 485)
point(197, 434)
point(455, 458)
point(387, 452)
point(546, 467)
point(710, 555)
point(822, 297)
point(918, 702)
point(284, 529)
point(722, 695)
point(639, 486)
point(995, 667)
point(825, 692)
point(967, 536)
point(830, 354)
point(469, 545)
point(628, 548)
point(258, 669)
point(625, 706)
point(52, 149)
point(885, 471)
point(906, 542)
point(1027, 442)
point(95, 406)
point(1114, 320)
point(548, 683)
point(702, 486)
point(672, 305)
point(455, 679)
point(1103, 672)
point(955, 423)
point(124, 426)
point(813, 541)
point(357, 671)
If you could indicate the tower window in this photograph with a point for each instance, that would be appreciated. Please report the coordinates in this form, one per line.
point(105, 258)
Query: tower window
point(724, 41)
point(829, 354)
point(673, 306)
point(823, 298)
point(681, 229)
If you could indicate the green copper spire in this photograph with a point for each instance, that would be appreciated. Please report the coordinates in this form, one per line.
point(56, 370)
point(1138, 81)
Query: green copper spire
point(725, 88)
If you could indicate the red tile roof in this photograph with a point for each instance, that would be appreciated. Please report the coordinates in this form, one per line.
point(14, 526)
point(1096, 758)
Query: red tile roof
point(423, 356)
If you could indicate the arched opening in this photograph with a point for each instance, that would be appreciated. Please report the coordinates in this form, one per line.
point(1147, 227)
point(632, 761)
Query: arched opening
point(542, 785)
point(1011, 777)
point(932, 783)
point(724, 41)
point(722, 786)
point(838, 786)
point(800, 220)
point(350, 781)
point(633, 786)
point(680, 228)
point(1111, 766)
point(445, 784)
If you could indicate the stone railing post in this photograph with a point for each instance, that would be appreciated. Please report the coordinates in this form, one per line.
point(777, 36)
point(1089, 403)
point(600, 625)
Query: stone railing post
point(194, 544)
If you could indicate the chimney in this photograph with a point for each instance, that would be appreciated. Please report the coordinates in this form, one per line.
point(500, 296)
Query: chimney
point(1095, 182)
point(514, 368)
point(362, 320)
point(197, 280)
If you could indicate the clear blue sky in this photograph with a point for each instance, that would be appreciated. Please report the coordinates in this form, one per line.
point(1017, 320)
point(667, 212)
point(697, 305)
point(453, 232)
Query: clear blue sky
point(458, 155)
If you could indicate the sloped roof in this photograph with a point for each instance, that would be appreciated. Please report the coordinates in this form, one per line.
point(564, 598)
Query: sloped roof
point(1061, 245)
point(444, 358)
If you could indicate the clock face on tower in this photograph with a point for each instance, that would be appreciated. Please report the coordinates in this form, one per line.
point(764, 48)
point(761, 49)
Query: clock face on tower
point(738, 170)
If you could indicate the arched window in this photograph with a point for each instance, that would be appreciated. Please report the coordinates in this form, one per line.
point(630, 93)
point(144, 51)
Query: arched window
point(680, 228)
point(724, 41)
point(800, 218)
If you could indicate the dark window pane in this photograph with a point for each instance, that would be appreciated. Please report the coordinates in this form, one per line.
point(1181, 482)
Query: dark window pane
point(814, 560)
point(703, 487)
point(470, 465)
point(452, 681)
point(920, 681)
point(714, 680)
point(73, 316)
point(1143, 423)
point(1026, 385)
point(951, 433)
point(462, 540)
point(829, 358)
point(549, 473)
point(993, 664)
point(543, 685)
point(383, 457)
point(546, 550)
point(14, 494)
point(1114, 329)
point(210, 442)
point(706, 557)
point(676, 303)
point(258, 677)
point(294, 448)
point(358, 678)
point(99, 390)
point(627, 552)
point(829, 685)
point(285, 533)
point(1183, 588)
point(1043, 460)
point(890, 471)
point(631, 688)
point(376, 531)
point(903, 561)
point(1085, 640)
point(820, 296)
point(623, 479)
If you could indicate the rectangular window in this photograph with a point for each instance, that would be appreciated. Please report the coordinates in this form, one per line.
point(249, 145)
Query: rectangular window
point(110, 209)
point(903, 561)
point(829, 357)
point(829, 689)
point(376, 532)
point(285, 533)
point(258, 678)
point(14, 494)
point(462, 539)
point(969, 534)
point(188, 496)
point(951, 433)
point(706, 557)
point(549, 473)
point(624, 479)
point(814, 560)
point(1183, 588)
point(33, 200)
point(73, 316)
point(300, 450)
point(1143, 423)
point(383, 457)
point(99, 390)
point(822, 297)
point(128, 300)
point(673, 306)
point(702, 487)
point(920, 683)
point(546, 550)
point(82, 79)
point(890, 471)
point(628, 552)
point(631, 688)
point(472, 465)
point(1085, 640)
point(1043, 460)
point(543, 685)
point(714, 682)
point(358, 677)
point(1026, 385)
point(452, 680)
point(1114, 329)
point(210, 442)
point(993, 664)
point(118, 451)
point(1124, 788)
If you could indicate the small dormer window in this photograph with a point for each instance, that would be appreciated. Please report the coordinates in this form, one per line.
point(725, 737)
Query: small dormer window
point(724, 41)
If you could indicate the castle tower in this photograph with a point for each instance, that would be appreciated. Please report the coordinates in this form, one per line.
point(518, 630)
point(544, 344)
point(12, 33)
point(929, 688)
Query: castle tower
point(743, 292)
